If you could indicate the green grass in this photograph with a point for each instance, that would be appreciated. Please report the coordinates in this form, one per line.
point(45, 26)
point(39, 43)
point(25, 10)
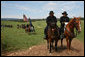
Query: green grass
point(13, 39)
point(81, 35)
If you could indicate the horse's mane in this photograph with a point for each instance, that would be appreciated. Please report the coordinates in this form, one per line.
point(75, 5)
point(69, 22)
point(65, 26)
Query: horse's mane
point(71, 21)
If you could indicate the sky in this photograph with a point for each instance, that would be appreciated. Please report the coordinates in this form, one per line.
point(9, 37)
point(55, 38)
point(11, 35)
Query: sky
point(41, 9)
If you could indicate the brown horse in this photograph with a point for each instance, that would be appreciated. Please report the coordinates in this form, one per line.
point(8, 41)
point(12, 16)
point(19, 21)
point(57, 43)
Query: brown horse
point(69, 30)
point(27, 29)
point(52, 36)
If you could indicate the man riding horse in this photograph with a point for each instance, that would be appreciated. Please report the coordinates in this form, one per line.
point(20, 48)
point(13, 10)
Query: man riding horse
point(63, 20)
point(50, 18)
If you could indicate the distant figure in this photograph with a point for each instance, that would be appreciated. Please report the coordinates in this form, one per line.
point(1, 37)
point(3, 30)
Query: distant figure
point(30, 21)
point(25, 18)
point(17, 26)
point(27, 25)
point(32, 28)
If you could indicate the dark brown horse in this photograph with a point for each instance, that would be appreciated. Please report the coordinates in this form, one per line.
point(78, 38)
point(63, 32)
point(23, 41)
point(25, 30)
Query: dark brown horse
point(69, 30)
point(27, 29)
point(52, 36)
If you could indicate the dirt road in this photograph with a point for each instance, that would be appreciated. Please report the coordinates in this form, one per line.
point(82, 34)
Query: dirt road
point(77, 49)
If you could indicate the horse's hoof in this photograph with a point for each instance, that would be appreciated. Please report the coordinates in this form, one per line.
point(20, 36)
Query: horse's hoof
point(69, 50)
point(61, 46)
point(50, 53)
point(56, 49)
point(47, 47)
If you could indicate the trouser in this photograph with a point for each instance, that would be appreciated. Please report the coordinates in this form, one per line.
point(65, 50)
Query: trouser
point(61, 29)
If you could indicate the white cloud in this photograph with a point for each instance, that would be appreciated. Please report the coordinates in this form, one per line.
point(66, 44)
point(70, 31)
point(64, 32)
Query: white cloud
point(57, 6)
point(61, 6)
point(50, 6)
point(20, 7)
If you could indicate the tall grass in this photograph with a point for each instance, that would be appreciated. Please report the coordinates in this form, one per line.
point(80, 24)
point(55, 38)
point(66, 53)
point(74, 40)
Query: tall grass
point(13, 39)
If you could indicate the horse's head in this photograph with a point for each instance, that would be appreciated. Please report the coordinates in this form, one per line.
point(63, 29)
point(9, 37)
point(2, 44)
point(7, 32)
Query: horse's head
point(77, 24)
point(53, 26)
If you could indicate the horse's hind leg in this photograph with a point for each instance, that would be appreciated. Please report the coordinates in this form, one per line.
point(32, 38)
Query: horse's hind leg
point(56, 41)
point(52, 44)
point(70, 43)
point(62, 42)
point(50, 48)
point(67, 43)
point(47, 44)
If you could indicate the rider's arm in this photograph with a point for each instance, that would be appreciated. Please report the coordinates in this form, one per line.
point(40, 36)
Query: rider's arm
point(60, 19)
point(55, 19)
point(47, 20)
point(68, 19)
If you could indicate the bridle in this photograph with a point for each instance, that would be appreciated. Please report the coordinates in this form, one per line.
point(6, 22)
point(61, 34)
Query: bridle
point(75, 25)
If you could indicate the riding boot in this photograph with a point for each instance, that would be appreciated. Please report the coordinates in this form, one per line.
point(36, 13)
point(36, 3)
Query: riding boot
point(45, 36)
point(61, 36)
point(45, 33)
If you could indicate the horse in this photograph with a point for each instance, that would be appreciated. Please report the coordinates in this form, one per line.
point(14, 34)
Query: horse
point(17, 26)
point(23, 26)
point(69, 30)
point(29, 28)
point(32, 28)
point(9, 26)
point(53, 35)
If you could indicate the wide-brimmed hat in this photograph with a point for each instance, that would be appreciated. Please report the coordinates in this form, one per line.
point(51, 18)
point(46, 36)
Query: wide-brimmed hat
point(65, 13)
point(51, 12)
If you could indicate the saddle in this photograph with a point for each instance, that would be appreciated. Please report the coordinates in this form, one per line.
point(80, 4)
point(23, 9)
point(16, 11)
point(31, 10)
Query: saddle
point(65, 25)
point(62, 29)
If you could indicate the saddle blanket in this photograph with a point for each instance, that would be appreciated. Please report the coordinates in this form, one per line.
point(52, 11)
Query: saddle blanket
point(65, 25)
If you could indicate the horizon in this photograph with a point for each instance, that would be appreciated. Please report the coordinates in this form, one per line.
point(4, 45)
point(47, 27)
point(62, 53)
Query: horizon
point(36, 18)
point(40, 9)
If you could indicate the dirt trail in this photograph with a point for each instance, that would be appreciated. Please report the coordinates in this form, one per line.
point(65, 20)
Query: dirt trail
point(77, 49)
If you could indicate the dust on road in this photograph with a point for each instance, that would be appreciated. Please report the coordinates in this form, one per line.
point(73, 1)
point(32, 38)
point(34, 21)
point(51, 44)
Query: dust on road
point(77, 49)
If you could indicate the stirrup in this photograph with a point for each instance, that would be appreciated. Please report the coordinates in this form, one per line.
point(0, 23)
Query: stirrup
point(45, 37)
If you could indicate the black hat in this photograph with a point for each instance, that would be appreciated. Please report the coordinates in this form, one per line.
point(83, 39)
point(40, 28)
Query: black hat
point(51, 12)
point(65, 13)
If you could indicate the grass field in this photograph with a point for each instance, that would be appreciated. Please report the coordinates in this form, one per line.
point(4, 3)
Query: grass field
point(13, 39)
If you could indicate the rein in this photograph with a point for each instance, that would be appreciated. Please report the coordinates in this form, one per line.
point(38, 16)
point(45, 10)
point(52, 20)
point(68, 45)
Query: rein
point(71, 33)
point(75, 34)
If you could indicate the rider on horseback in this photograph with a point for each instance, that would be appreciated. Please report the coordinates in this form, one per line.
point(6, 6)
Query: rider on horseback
point(50, 18)
point(63, 19)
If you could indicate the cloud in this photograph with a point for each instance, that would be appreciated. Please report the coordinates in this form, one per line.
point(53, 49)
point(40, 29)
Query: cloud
point(50, 6)
point(59, 6)
point(3, 4)
point(42, 8)
point(20, 7)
